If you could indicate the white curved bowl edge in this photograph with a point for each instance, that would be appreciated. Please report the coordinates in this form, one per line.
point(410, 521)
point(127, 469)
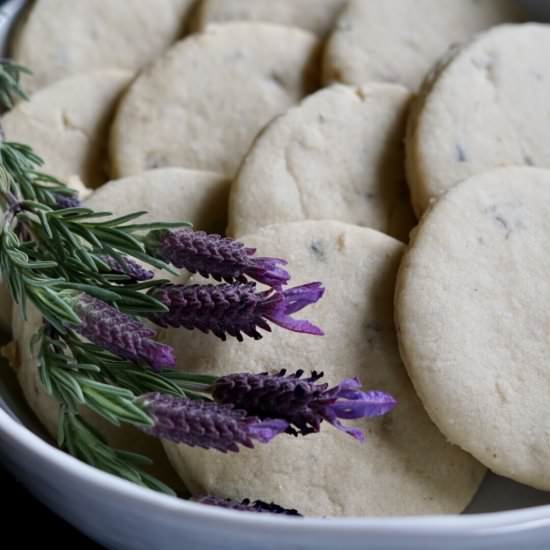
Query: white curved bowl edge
point(123, 516)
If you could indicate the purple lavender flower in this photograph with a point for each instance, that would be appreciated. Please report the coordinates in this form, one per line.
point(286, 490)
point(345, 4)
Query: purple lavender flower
point(63, 201)
point(235, 309)
point(258, 506)
point(301, 402)
point(121, 334)
point(206, 424)
point(214, 256)
point(128, 266)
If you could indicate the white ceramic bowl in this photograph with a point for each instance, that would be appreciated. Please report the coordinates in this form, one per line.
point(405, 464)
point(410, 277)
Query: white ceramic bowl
point(120, 515)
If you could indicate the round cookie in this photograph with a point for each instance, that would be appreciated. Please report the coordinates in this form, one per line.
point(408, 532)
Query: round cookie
point(472, 307)
point(60, 38)
point(484, 106)
point(406, 466)
point(399, 40)
point(222, 90)
point(168, 195)
point(338, 155)
point(316, 16)
point(67, 124)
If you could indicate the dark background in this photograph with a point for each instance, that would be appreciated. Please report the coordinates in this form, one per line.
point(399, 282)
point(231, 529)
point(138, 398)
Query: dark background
point(20, 506)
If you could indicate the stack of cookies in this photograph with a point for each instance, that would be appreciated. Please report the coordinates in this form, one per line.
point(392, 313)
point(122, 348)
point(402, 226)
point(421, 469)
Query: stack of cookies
point(393, 150)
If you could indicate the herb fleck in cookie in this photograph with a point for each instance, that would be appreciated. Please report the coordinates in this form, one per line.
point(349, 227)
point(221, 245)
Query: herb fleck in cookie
point(472, 308)
point(474, 114)
point(67, 124)
point(338, 155)
point(201, 105)
point(405, 466)
point(60, 38)
point(317, 16)
point(399, 40)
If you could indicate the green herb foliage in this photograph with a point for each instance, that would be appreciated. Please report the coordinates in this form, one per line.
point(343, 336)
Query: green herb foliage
point(49, 256)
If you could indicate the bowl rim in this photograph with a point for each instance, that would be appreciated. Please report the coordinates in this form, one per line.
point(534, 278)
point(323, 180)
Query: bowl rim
point(473, 525)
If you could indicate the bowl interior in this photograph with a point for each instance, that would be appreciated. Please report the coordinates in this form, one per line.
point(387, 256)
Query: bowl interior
point(496, 493)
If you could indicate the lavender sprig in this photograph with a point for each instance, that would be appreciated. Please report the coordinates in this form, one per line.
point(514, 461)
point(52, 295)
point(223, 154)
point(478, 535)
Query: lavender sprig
point(214, 256)
point(235, 309)
point(206, 424)
point(121, 334)
point(301, 402)
point(258, 506)
point(79, 268)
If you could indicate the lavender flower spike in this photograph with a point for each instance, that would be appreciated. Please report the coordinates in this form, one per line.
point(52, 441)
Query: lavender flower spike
point(235, 309)
point(206, 424)
point(258, 506)
point(128, 266)
point(214, 256)
point(120, 334)
point(302, 402)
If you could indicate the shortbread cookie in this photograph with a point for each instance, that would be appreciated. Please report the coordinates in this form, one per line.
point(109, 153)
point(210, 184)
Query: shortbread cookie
point(472, 306)
point(338, 155)
point(405, 466)
point(60, 38)
point(317, 16)
point(202, 103)
point(399, 40)
point(168, 195)
point(475, 113)
point(67, 124)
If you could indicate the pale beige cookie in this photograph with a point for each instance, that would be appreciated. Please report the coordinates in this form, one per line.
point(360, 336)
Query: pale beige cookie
point(67, 124)
point(485, 106)
point(472, 307)
point(317, 16)
point(405, 466)
point(339, 155)
point(167, 195)
point(60, 38)
point(399, 40)
point(202, 103)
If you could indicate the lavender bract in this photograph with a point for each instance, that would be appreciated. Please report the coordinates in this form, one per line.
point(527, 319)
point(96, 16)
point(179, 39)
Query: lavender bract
point(207, 424)
point(302, 402)
point(214, 256)
point(258, 506)
point(66, 201)
point(120, 334)
point(235, 309)
point(128, 266)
